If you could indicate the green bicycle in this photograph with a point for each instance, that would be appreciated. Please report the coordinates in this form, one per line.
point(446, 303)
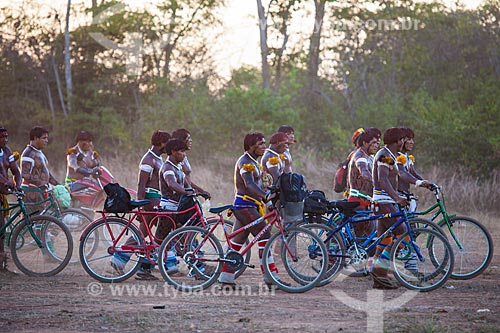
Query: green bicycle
point(39, 245)
point(73, 218)
point(470, 240)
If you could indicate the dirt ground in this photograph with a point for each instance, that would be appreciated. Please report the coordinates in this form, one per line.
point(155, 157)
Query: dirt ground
point(73, 301)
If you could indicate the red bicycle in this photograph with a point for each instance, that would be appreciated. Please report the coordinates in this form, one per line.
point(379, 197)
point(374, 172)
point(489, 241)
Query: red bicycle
point(296, 253)
point(119, 235)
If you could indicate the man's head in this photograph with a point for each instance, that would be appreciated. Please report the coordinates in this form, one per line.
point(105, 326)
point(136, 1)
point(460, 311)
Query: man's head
point(279, 142)
point(408, 139)
point(84, 140)
point(393, 135)
point(355, 136)
point(4, 137)
point(159, 137)
point(176, 150)
point(39, 137)
point(184, 135)
point(289, 131)
point(369, 140)
point(254, 143)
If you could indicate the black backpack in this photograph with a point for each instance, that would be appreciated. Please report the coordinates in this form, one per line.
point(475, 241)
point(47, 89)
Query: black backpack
point(315, 202)
point(292, 187)
point(118, 199)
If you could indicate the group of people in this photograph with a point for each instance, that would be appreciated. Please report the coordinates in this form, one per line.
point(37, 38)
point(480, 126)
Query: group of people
point(385, 176)
point(380, 174)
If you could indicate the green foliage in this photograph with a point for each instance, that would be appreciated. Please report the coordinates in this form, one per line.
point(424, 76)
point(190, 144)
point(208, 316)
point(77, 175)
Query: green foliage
point(441, 78)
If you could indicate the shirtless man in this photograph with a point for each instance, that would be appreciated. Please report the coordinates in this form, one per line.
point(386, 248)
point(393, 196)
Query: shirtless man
point(82, 161)
point(184, 135)
point(148, 186)
point(273, 160)
point(173, 184)
point(359, 178)
point(7, 162)
point(385, 181)
point(290, 132)
point(248, 203)
point(408, 174)
point(35, 166)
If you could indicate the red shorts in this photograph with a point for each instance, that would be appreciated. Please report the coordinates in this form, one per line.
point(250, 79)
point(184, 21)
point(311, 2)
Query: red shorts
point(363, 204)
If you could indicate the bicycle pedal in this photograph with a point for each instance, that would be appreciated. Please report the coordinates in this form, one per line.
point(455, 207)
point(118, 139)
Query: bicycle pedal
point(250, 265)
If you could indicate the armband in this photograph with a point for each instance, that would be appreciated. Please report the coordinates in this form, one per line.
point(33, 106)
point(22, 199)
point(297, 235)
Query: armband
point(419, 182)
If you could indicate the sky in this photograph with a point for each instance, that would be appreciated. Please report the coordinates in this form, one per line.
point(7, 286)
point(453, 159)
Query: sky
point(239, 44)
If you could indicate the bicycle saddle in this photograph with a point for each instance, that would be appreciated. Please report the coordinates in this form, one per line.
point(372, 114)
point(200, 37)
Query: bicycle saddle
point(344, 206)
point(217, 210)
point(139, 203)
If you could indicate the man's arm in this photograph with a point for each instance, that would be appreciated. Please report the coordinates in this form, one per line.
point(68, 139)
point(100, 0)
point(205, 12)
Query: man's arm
point(252, 188)
point(141, 184)
point(52, 179)
point(169, 177)
point(14, 168)
point(364, 170)
point(385, 184)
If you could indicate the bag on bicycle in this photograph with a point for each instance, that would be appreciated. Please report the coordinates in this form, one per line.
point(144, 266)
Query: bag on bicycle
point(315, 202)
point(118, 199)
point(292, 187)
point(185, 202)
point(62, 196)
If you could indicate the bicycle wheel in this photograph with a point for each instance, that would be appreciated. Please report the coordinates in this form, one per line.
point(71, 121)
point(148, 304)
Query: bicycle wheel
point(475, 252)
point(53, 253)
point(76, 221)
point(313, 218)
point(187, 267)
point(96, 247)
point(424, 265)
point(336, 251)
point(419, 222)
point(301, 253)
point(219, 233)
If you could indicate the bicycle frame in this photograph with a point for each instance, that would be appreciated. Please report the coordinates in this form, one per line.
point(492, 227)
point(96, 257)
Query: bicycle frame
point(140, 215)
point(441, 210)
point(402, 218)
point(274, 217)
point(18, 209)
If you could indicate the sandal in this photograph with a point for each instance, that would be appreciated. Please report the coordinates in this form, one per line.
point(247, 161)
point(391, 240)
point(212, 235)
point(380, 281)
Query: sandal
point(384, 282)
point(145, 277)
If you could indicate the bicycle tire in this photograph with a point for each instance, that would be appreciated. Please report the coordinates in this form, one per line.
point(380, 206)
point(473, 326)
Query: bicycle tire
point(477, 251)
point(435, 267)
point(222, 239)
point(76, 221)
point(420, 222)
point(94, 250)
point(56, 250)
point(336, 252)
point(193, 271)
point(301, 254)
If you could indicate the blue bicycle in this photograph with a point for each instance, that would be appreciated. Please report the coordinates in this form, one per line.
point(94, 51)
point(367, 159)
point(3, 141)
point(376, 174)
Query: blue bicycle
point(433, 254)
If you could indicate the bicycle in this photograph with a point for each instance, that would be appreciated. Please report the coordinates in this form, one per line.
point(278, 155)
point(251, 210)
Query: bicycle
point(353, 241)
point(200, 256)
point(108, 235)
point(73, 218)
point(471, 242)
point(39, 245)
point(431, 248)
